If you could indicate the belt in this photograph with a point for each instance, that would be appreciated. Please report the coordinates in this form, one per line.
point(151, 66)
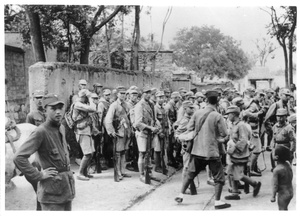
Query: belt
point(282, 143)
point(65, 168)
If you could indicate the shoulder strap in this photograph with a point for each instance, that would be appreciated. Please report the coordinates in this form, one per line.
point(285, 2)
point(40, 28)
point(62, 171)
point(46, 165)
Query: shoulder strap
point(201, 122)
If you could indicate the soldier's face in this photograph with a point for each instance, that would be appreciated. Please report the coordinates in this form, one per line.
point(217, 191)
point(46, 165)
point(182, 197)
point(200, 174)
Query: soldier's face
point(98, 90)
point(147, 96)
point(107, 97)
point(95, 100)
point(190, 110)
point(122, 96)
point(38, 101)
point(281, 119)
point(160, 100)
point(55, 113)
point(133, 97)
point(82, 86)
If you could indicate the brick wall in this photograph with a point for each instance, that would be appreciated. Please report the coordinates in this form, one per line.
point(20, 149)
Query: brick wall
point(16, 84)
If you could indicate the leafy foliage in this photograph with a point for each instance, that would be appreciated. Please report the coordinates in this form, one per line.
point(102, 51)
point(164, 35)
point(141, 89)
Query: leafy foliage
point(210, 53)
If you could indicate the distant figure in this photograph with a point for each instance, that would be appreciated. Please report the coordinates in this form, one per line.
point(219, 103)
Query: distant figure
point(282, 178)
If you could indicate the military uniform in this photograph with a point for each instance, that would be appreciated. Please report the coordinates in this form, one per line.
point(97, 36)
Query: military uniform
point(36, 117)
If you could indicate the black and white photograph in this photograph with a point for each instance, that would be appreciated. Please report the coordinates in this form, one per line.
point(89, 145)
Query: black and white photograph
point(152, 107)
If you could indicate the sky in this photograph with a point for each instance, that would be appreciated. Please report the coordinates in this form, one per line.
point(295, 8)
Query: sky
point(244, 24)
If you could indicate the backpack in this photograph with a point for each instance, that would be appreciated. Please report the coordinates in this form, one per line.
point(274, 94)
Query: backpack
point(68, 117)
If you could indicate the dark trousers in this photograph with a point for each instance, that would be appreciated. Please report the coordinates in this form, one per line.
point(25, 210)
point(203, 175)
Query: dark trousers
point(107, 149)
point(57, 207)
point(170, 149)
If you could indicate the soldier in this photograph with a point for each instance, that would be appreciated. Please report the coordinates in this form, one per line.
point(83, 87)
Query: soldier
point(199, 101)
point(293, 122)
point(107, 148)
point(82, 84)
point(167, 93)
point(83, 131)
point(238, 151)
point(118, 126)
point(163, 135)
point(98, 89)
point(146, 125)
point(270, 118)
point(268, 98)
point(186, 145)
point(171, 109)
point(253, 112)
point(227, 98)
point(56, 188)
point(210, 130)
point(283, 134)
point(37, 117)
point(133, 148)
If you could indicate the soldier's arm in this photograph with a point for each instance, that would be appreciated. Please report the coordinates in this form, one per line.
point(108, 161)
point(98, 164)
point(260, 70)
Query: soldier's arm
point(84, 107)
point(138, 118)
point(21, 161)
point(222, 128)
point(108, 121)
point(191, 124)
point(292, 138)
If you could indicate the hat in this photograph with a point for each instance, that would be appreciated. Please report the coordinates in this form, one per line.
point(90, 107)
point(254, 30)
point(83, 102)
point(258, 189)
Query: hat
point(182, 89)
point(133, 87)
point(38, 93)
point(189, 94)
point(51, 100)
point(97, 85)
point(238, 101)
point(286, 91)
point(154, 90)
point(121, 89)
point(106, 92)
point(219, 89)
point(83, 92)
point(250, 89)
point(199, 94)
point(227, 90)
point(270, 90)
point(167, 90)
point(281, 112)
point(293, 118)
point(133, 91)
point(260, 92)
point(94, 95)
point(83, 82)
point(233, 109)
point(175, 94)
point(212, 93)
point(146, 89)
point(186, 104)
point(159, 94)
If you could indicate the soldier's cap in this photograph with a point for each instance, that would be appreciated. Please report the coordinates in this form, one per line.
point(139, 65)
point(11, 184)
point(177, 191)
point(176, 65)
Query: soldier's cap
point(187, 103)
point(114, 91)
point(233, 109)
point(133, 91)
point(189, 94)
point(83, 82)
point(182, 89)
point(175, 94)
point(133, 87)
point(51, 100)
point(293, 118)
point(260, 92)
point(250, 89)
point(38, 93)
point(83, 93)
point(199, 94)
point(238, 101)
point(212, 93)
point(286, 91)
point(159, 94)
point(147, 89)
point(227, 90)
point(97, 85)
point(106, 92)
point(217, 88)
point(270, 90)
point(154, 90)
point(121, 89)
point(94, 95)
point(281, 112)
point(167, 90)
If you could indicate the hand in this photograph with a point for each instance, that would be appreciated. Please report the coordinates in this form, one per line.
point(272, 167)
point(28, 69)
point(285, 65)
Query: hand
point(273, 199)
point(49, 172)
point(161, 135)
point(154, 130)
point(260, 112)
point(113, 134)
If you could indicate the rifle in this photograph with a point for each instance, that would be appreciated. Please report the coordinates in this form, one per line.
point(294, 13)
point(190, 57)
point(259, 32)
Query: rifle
point(147, 158)
point(116, 175)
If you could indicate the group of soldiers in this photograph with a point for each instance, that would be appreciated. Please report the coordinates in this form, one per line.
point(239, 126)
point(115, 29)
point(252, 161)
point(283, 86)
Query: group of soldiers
point(132, 128)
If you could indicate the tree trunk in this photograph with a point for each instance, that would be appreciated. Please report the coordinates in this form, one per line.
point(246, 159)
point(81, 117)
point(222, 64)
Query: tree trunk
point(136, 43)
point(85, 50)
point(36, 35)
point(290, 61)
point(107, 47)
point(286, 72)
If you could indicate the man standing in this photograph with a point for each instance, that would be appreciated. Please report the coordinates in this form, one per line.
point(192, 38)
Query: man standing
point(118, 126)
point(146, 124)
point(205, 151)
point(56, 185)
point(37, 116)
point(98, 89)
point(83, 131)
point(199, 101)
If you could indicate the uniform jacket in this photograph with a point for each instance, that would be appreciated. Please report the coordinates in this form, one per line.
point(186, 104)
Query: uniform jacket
point(81, 112)
point(172, 111)
point(206, 143)
point(285, 135)
point(49, 141)
point(144, 116)
point(271, 113)
point(117, 120)
point(162, 116)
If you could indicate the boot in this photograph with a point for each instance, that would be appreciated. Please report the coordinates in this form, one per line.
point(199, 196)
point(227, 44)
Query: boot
point(82, 169)
point(118, 165)
point(157, 160)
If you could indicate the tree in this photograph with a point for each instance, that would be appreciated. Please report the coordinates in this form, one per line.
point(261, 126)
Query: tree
point(264, 47)
point(282, 27)
point(136, 40)
point(210, 53)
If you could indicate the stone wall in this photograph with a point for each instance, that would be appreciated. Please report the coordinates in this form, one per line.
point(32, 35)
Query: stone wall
point(62, 78)
point(16, 84)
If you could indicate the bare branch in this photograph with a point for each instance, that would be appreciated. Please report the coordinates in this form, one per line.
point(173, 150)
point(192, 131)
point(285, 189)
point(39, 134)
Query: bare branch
point(98, 13)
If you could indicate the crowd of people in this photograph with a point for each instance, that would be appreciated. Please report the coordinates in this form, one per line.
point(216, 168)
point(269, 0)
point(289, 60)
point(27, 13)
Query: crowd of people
point(221, 131)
